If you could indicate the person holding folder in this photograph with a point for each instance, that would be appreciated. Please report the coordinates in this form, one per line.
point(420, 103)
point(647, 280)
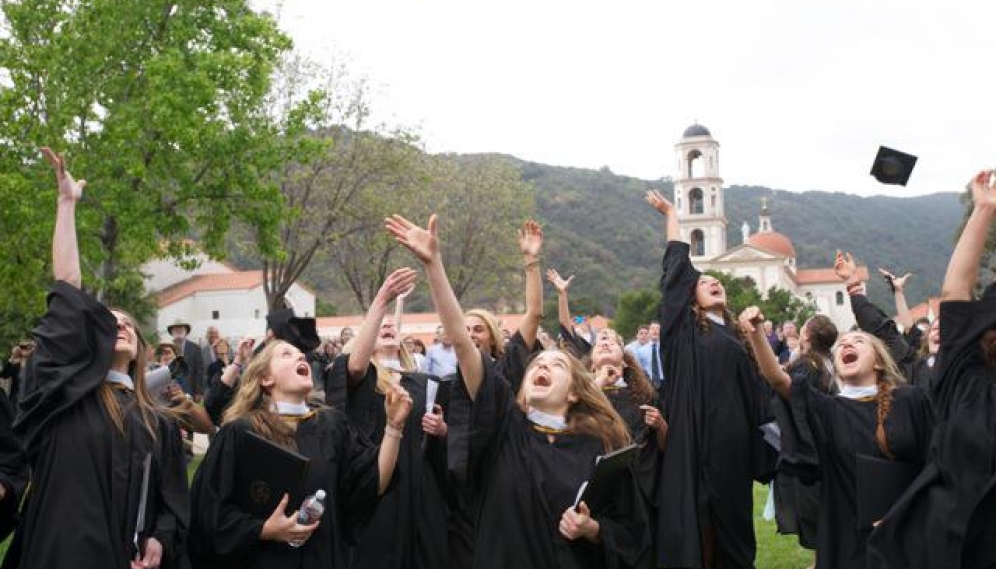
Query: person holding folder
point(862, 443)
point(271, 405)
point(89, 426)
point(526, 455)
point(409, 527)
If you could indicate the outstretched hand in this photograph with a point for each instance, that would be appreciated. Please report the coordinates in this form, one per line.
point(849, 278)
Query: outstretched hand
point(423, 243)
point(68, 187)
point(530, 238)
point(558, 282)
point(984, 189)
point(844, 266)
point(659, 202)
point(397, 284)
point(897, 282)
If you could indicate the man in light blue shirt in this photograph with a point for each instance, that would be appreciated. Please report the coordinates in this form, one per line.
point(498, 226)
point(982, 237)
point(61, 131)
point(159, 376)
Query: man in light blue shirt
point(649, 356)
point(441, 358)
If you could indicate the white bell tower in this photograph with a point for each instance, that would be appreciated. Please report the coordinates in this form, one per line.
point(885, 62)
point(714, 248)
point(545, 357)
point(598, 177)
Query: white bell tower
point(698, 193)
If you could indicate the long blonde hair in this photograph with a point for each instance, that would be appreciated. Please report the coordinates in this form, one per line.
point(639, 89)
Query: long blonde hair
point(639, 385)
point(143, 399)
point(592, 414)
point(497, 348)
point(254, 403)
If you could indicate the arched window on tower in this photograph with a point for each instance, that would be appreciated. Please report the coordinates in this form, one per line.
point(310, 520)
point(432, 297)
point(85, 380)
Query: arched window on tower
point(698, 243)
point(695, 201)
point(695, 164)
point(840, 298)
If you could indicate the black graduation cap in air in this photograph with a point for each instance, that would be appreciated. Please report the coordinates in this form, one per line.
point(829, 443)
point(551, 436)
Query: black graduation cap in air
point(299, 332)
point(892, 166)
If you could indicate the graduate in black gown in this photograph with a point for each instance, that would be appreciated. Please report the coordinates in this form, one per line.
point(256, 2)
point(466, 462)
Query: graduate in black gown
point(271, 402)
point(13, 469)
point(876, 414)
point(946, 518)
point(797, 493)
point(714, 404)
point(514, 355)
point(409, 528)
point(529, 456)
point(915, 360)
point(88, 425)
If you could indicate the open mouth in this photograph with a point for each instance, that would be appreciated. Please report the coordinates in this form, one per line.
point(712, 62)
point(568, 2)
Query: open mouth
point(849, 357)
point(303, 369)
point(542, 380)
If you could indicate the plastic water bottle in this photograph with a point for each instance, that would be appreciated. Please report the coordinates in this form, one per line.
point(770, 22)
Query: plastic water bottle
point(311, 511)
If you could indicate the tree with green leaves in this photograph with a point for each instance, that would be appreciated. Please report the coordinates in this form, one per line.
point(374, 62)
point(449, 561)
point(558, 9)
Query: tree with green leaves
point(158, 105)
point(635, 308)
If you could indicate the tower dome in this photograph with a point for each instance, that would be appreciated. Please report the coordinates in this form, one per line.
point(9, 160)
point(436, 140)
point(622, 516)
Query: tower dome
point(696, 130)
point(773, 241)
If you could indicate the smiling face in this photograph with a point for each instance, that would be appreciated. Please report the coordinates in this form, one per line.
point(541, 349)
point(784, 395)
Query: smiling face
point(934, 337)
point(126, 342)
point(710, 294)
point(387, 337)
point(479, 333)
point(856, 360)
point(608, 350)
point(547, 383)
point(289, 375)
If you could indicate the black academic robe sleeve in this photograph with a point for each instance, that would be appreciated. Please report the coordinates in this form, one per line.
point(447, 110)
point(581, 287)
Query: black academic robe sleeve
point(171, 502)
point(217, 398)
point(577, 345)
point(962, 325)
point(74, 343)
point(873, 320)
point(516, 358)
point(13, 469)
point(799, 454)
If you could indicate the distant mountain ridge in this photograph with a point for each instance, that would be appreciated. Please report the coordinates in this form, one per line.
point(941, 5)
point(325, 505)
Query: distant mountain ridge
point(599, 227)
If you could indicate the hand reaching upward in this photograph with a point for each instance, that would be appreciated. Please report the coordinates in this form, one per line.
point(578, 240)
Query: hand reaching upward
point(68, 187)
point(423, 243)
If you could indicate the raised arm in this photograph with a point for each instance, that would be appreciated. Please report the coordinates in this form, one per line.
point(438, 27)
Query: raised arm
point(563, 307)
point(397, 405)
point(963, 268)
point(424, 244)
point(366, 338)
point(898, 284)
point(65, 250)
point(530, 244)
point(767, 361)
point(671, 228)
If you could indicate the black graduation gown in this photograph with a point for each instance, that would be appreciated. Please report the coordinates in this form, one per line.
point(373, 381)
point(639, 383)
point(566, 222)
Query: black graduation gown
point(82, 507)
point(797, 495)
point(13, 469)
point(930, 524)
point(646, 465)
point(871, 319)
point(837, 429)
point(522, 484)
point(515, 360)
point(343, 463)
point(217, 398)
point(409, 527)
point(714, 403)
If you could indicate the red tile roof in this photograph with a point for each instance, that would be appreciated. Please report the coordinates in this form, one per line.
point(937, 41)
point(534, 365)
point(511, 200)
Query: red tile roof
point(819, 276)
point(921, 310)
point(239, 280)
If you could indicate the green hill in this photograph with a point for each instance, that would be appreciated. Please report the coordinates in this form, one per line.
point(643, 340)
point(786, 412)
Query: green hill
point(599, 228)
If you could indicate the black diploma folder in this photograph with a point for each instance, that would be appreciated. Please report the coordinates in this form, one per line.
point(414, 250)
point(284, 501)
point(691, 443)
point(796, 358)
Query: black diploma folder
point(266, 471)
point(880, 482)
point(610, 470)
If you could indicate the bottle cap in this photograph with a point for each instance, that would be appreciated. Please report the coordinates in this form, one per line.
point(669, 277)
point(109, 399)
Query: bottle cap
point(320, 494)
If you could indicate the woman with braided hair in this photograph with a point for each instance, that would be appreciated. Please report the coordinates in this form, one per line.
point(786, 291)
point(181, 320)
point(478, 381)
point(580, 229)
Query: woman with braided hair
point(875, 415)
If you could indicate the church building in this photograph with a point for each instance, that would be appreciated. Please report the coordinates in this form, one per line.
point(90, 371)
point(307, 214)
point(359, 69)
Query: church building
point(766, 256)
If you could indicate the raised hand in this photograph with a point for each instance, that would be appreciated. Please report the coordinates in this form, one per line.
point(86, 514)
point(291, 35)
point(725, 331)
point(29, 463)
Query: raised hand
point(659, 202)
point(243, 352)
point(984, 189)
point(397, 284)
point(653, 418)
point(530, 238)
point(281, 527)
point(750, 318)
point(68, 187)
point(397, 405)
point(423, 243)
point(559, 283)
point(578, 523)
point(844, 266)
point(897, 282)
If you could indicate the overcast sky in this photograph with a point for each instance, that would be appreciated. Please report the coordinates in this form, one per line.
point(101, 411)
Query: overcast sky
point(799, 94)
